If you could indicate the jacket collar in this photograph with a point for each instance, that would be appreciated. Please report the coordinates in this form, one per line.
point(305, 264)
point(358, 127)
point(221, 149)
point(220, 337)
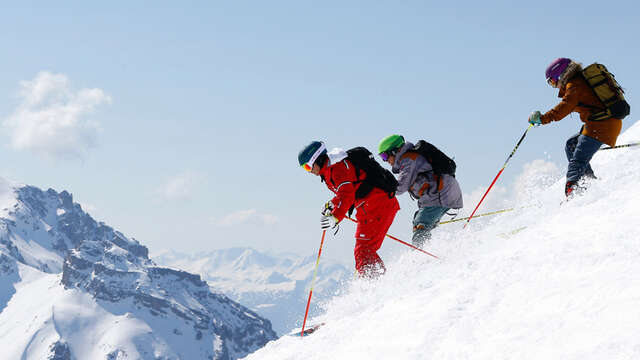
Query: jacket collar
point(572, 70)
point(403, 149)
point(335, 156)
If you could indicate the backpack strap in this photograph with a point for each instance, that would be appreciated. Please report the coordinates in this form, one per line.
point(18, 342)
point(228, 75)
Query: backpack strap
point(413, 155)
point(363, 189)
point(358, 181)
point(592, 107)
point(599, 113)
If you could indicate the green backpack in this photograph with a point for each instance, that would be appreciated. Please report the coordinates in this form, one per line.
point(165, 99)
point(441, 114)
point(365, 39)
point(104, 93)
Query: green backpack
point(608, 90)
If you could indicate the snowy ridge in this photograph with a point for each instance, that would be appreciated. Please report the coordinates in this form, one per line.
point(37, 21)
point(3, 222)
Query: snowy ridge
point(73, 288)
point(565, 287)
point(274, 286)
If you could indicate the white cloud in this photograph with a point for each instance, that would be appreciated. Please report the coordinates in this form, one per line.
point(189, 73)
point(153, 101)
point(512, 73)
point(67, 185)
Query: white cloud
point(179, 187)
point(247, 217)
point(51, 120)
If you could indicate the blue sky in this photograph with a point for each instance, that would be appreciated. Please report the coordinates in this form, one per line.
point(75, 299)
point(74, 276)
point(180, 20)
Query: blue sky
point(185, 119)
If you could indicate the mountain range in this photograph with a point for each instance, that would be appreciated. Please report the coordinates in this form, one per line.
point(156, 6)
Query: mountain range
point(276, 286)
point(75, 288)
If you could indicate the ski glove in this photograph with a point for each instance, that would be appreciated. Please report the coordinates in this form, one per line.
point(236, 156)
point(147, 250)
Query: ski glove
point(534, 118)
point(327, 209)
point(329, 221)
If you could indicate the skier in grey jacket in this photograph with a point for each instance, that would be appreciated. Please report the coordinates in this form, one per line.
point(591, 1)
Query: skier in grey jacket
point(436, 194)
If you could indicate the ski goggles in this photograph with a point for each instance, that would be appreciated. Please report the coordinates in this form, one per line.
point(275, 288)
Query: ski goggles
point(385, 156)
point(308, 166)
point(552, 82)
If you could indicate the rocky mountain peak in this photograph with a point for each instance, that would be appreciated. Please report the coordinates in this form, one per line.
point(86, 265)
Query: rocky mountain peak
point(47, 231)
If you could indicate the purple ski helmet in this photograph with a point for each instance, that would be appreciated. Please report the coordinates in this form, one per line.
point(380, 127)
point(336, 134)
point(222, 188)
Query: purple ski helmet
point(556, 68)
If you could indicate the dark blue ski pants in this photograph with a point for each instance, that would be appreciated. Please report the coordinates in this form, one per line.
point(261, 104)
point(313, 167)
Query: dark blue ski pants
point(580, 150)
point(425, 220)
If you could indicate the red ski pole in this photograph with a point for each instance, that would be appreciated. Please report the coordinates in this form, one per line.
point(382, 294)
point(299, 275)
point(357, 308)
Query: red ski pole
point(402, 242)
point(313, 280)
point(497, 176)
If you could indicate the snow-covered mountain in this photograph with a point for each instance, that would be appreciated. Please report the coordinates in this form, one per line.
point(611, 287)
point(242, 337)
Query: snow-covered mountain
point(565, 287)
point(73, 288)
point(274, 286)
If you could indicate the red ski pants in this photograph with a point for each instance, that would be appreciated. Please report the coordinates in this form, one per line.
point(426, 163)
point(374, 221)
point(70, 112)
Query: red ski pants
point(374, 219)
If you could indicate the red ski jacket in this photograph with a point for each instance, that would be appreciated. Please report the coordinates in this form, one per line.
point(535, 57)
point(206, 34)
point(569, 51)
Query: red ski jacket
point(341, 180)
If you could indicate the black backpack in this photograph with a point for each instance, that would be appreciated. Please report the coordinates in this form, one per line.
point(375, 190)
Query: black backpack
point(441, 163)
point(377, 176)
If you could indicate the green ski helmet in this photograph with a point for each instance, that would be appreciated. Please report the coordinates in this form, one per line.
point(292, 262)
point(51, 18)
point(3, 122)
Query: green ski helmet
point(390, 143)
point(310, 153)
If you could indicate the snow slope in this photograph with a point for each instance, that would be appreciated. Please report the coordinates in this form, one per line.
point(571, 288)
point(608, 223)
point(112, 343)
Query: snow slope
point(565, 287)
point(274, 286)
point(73, 288)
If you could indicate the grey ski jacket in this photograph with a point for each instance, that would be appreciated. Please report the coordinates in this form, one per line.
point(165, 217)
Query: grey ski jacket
point(416, 177)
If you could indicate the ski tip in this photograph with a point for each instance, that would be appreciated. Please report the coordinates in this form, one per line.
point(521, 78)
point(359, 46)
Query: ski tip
point(307, 331)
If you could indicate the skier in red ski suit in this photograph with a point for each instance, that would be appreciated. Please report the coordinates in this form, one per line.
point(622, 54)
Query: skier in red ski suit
point(375, 210)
